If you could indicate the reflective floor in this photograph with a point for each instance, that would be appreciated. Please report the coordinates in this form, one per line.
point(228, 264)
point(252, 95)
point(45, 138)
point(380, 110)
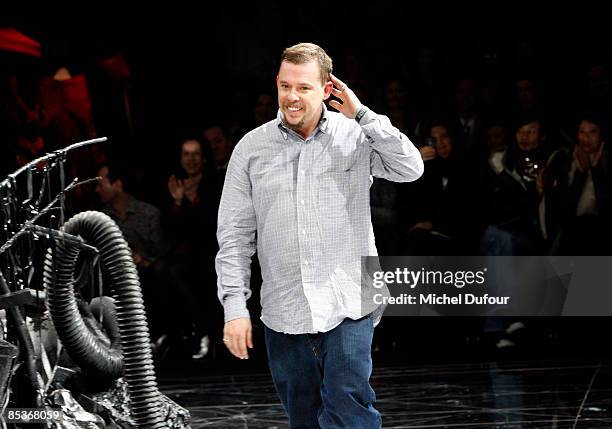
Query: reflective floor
point(492, 395)
point(555, 384)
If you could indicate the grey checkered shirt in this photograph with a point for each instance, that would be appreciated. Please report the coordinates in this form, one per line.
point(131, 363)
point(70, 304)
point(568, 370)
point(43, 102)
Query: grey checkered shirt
point(305, 205)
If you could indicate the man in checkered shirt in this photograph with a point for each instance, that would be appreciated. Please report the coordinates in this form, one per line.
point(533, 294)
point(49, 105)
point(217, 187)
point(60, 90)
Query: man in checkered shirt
point(297, 191)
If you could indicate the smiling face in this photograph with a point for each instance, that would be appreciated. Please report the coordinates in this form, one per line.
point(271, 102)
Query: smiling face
point(300, 95)
point(589, 136)
point(444, 143)
point(192, 160)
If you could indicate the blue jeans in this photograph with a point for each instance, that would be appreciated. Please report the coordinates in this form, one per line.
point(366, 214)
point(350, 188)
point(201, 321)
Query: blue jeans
point(323, 379)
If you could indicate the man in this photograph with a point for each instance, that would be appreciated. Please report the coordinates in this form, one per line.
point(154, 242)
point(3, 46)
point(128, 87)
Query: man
point(141, 226)
point(193, 164)
point(139, 221)
point(221, 147)
point(192, 222)
point(297, 188)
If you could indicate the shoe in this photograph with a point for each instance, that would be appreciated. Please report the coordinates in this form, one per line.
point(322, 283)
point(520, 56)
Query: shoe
point(514, 327)
point(159, 345)
point(161, 340)
point(204, 343)
point(505, 343)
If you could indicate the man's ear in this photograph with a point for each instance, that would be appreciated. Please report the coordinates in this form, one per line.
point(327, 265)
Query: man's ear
point(327, 90)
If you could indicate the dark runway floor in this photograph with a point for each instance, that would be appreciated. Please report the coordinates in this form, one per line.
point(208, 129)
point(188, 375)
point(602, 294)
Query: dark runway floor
point(559, 383)
point(485, 395)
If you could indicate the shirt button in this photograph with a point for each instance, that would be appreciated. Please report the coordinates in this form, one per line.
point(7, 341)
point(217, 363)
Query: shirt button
point(304, 231)
point(302, 201)
point(303, 172)
point(305, 262)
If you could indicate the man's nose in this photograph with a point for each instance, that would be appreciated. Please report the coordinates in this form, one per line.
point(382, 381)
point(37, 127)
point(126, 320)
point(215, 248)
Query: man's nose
point(293, 96)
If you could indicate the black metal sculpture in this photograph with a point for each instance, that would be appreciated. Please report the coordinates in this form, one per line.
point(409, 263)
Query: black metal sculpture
point(35, 234)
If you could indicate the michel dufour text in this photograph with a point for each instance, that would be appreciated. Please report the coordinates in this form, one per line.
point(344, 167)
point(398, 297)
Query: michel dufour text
point(424, 278)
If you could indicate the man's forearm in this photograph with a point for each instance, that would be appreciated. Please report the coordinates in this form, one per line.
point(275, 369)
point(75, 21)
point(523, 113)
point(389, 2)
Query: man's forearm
point(233, 284)
point(394, 156)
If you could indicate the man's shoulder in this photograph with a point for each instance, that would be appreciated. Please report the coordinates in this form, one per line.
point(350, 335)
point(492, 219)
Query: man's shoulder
point(261, 135)
point(144, 207)
point(261, 131)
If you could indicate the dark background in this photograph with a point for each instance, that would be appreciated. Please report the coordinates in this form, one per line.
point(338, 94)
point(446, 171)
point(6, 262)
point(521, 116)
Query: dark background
point(198, 64)
point(202, 64)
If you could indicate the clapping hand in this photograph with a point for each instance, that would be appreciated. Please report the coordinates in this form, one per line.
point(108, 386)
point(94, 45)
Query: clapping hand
point(176, 188)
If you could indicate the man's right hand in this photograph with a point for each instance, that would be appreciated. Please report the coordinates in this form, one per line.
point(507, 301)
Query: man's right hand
point(237, 336)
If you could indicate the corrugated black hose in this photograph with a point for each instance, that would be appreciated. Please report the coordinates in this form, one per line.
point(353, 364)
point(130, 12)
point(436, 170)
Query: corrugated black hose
point(93, 356)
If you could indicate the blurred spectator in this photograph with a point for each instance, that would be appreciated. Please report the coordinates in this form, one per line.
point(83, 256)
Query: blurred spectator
point(465, 114)
point(528, 97)
point(265, 109)
point(221, 147)
point(140, 224)
point(582, 204)
point(66, 104)
point(514, 199)
point(66, 118)
point(490, 161)
point(396, 107)
point(113, 102)
point(435, 226)
point(139, 221)
point(191, 223)
point(496, 146)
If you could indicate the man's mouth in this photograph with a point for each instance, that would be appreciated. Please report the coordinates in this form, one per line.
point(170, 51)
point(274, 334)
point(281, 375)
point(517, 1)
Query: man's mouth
point(294, 108)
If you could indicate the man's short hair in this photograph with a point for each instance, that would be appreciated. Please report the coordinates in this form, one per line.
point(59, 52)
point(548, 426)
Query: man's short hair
point(525, 119)
point(202, 141)
point(303, 53)
point(118, 170)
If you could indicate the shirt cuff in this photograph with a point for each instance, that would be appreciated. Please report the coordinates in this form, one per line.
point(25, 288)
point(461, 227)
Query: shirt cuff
point(367, 117)
point(235, 308)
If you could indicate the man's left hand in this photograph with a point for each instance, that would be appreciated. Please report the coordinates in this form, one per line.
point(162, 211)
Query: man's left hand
point(350, 104)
